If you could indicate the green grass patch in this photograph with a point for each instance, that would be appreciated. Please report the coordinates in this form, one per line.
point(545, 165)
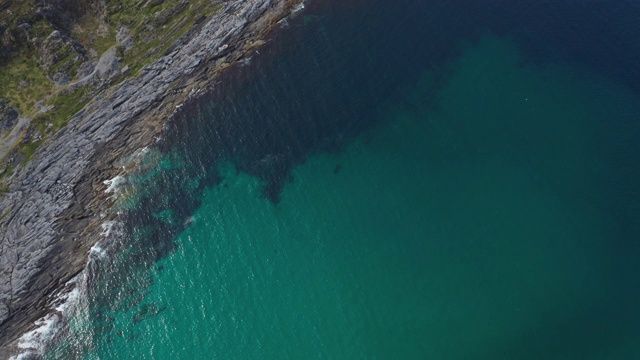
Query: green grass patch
point(68, 62)
point(29, 149)
point(67, 105)
point(23, 83)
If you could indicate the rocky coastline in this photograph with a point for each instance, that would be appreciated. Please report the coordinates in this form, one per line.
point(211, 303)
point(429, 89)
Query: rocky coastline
point(51, 213)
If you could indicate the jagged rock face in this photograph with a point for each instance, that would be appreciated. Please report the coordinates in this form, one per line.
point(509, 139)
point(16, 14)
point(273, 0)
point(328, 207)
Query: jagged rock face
point(8, 117)
point(53, 50)
point(64, 14)
point(50, 46)
point(59, 53)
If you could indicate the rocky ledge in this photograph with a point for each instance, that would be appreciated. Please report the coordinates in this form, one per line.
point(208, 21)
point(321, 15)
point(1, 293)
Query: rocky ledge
point(50, 213)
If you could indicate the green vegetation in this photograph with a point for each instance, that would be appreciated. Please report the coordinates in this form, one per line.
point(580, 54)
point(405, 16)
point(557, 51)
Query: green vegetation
point(29, 149)
point(66, 105)
point(23, 83)
point(30, 58)
point(68, 61)
point(155, 27)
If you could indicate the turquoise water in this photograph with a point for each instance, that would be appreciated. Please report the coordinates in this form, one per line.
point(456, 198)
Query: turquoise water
point(468, 228)
point(487, 211)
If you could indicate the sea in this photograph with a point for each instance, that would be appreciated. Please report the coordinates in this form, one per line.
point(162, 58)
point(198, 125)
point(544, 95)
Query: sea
point(386, 179)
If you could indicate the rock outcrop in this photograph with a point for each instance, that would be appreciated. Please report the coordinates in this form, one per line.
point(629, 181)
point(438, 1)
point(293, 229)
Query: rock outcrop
point(8, 117)
point(50, 215)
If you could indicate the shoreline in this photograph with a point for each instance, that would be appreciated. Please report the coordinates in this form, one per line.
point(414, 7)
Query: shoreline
point(57, 199)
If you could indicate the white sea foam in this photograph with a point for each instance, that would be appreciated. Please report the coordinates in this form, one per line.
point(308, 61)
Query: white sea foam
point(97, 251)
point(114, 184)
point(145, 150)
point(35, 342)
point(283, 22)
point(298, 7)
point(107, 228)
point(137, 157)
point(245, 61)
point(189, 221)
point(69, 301)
